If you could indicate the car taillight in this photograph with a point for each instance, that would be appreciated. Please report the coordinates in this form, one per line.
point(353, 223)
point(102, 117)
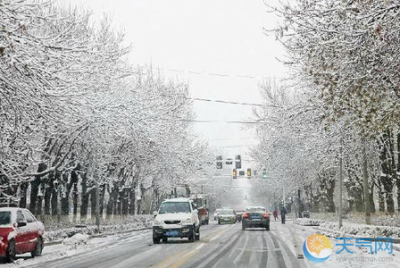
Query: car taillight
point(266, 215)
point(245, 215)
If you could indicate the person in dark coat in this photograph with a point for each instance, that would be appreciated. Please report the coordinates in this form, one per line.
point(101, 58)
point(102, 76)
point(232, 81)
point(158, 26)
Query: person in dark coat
point(275, 214)
point(283, 214)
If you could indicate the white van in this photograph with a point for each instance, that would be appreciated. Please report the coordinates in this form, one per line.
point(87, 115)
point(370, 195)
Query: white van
point(176, 218)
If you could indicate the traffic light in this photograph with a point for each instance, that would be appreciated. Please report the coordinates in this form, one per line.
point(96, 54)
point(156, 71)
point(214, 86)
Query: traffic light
point(238, 161)
point(219, 162)
point(249, 173)
point(264, 173)
point(234, 174)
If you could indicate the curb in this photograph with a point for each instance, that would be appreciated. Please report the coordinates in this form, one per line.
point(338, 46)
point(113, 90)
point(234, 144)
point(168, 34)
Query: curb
point(51, 243)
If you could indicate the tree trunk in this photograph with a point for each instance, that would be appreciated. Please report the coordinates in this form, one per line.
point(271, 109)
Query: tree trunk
point(39, 207)
point(47, 199)
point(371, 200)
point(387, 171)
point(65, 195)
point(381, 198)
point(74, 184)
point(125, 200)
point(93, 203)
point(35, 188)
point(54, 201)
point(84, 198)
point(112, 201)
point(101, 201)
point(24, 189)
point(75, 200)
point(398, 172)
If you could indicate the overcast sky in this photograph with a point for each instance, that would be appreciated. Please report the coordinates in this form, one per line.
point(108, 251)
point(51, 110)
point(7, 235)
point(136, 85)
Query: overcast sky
point(205, 36)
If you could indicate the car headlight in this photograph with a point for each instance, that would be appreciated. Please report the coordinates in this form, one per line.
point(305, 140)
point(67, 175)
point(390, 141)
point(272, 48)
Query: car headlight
point(188, 221)
point(157, 223)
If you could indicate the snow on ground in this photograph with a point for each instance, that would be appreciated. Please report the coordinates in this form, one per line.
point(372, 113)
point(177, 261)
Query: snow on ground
point(59, 234)
point(78, 244)
point(360, 258)
point(354, 229)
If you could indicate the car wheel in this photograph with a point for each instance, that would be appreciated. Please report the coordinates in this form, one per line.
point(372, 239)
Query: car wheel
point(10, 254)
point(38, 248)
point(267, 227)
point(156, 240)
point(192, 236)
point(197, 237)
point(207, 222)
point(165, 239)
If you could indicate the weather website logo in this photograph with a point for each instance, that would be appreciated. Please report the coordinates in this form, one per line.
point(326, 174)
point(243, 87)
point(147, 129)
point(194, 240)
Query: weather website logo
point(317, 248)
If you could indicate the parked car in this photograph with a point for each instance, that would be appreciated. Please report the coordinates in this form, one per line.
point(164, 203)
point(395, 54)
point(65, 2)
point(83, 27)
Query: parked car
point(176, 218)
point(256, 217)
point(203, 216)
point(226, 216)
point(20, 232)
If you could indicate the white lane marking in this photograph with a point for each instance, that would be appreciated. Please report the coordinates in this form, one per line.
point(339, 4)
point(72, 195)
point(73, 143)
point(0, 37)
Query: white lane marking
point(215, 237)
point(242, 251)
point(200, 246)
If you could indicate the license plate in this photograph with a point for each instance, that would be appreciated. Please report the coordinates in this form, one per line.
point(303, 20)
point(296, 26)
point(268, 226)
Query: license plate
point(172, 233)
point(255, 217)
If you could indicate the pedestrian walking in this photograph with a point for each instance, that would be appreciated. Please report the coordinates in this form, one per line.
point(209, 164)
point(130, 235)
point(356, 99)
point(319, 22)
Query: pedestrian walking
point(283, 214)
point(275, 214)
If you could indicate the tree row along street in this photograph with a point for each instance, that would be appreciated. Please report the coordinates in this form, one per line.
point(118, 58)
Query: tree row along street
point(75, 116)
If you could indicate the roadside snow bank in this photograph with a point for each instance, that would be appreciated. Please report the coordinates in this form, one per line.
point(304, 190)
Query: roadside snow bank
point(308, 222)
point(353, 229)
point(363, 230)
point(136, 223)
point(78, 239)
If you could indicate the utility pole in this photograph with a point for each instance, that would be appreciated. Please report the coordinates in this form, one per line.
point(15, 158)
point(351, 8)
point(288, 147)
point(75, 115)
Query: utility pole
point(97, 206)
point(365, 182)
point(341, 183)
point(298, 196)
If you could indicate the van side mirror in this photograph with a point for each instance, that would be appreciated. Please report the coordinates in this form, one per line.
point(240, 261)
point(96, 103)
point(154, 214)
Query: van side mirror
point(155, 213)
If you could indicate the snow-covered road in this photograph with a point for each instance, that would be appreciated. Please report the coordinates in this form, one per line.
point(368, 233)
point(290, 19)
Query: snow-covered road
point(219, 246)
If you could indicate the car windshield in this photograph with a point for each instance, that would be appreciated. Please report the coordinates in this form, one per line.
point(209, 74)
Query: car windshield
point(255, 209)
point(5, 217)
point(175, 207)
point(226, 212)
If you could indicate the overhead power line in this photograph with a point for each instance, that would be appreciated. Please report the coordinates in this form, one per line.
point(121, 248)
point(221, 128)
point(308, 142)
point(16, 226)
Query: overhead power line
point(227, 102)
point(220, 121)
point(212, 73)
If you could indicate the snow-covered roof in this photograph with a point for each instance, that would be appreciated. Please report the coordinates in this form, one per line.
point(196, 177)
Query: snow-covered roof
point(181, 199)
point(12, 209)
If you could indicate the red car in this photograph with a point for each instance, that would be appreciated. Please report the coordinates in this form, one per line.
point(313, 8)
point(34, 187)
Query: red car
point(203, 215)
point(20, 232)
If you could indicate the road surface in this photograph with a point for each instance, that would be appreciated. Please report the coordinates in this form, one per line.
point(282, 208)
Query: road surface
point(219, 246)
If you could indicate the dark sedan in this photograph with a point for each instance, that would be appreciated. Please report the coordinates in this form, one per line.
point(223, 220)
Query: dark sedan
point(255, 217)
